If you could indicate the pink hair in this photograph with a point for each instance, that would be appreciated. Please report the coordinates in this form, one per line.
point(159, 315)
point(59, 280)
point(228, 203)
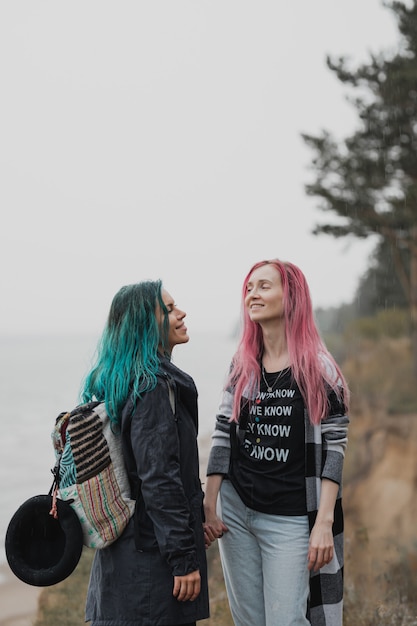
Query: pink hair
point(313, 367)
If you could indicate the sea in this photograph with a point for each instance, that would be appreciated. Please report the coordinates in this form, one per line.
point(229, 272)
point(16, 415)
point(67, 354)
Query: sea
point(40, 376)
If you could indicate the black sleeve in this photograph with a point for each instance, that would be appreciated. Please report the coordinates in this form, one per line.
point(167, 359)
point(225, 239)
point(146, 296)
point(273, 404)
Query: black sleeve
point(155, 446)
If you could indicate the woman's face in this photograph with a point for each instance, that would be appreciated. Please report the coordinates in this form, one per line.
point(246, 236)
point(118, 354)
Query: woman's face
point(177, 332)
point(264, 295)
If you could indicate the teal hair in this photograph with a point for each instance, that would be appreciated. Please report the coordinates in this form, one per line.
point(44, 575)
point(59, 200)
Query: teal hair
point(127, 358)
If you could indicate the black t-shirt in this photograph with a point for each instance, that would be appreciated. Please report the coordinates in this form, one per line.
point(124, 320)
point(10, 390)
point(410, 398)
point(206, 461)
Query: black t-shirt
point(268, 449)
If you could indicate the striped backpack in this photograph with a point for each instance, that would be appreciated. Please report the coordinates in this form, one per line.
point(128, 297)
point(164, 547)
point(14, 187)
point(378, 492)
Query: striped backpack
point(90, 473)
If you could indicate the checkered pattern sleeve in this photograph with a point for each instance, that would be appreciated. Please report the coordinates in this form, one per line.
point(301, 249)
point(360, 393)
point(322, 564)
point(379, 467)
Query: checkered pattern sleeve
point(334, 437)
point(325, 450)
point(219, 458)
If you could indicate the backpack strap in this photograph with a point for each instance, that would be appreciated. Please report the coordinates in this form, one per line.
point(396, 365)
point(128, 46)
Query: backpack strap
point(171, 396)
point(171, 392)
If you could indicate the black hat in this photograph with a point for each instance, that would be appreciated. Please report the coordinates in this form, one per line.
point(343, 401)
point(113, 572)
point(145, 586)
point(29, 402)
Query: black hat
point(40, 549)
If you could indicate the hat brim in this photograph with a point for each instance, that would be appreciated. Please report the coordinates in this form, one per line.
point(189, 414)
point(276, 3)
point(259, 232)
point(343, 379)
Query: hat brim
point(40, 549)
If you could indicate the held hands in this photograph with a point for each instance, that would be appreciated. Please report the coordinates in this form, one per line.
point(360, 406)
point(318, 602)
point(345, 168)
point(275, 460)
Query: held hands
point(321, 546)
point(187, 587)
point(214, 528)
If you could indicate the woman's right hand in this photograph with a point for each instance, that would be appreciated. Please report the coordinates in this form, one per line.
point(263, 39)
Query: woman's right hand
point(213, 525)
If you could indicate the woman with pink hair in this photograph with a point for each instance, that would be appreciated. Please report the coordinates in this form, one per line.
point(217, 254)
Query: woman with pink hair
point(276, 461)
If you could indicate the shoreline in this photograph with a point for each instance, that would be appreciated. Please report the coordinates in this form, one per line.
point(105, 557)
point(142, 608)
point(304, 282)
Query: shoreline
point(18, 601)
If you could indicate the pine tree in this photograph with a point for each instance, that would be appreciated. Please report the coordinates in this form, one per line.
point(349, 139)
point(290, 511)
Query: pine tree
point(369, 180)
point(379, 288)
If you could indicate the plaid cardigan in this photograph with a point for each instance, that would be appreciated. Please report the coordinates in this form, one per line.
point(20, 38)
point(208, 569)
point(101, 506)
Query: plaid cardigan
point(325, 448)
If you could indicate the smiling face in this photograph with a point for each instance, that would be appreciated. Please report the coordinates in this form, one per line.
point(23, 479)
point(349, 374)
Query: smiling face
point(264, 295)
point(177, 332)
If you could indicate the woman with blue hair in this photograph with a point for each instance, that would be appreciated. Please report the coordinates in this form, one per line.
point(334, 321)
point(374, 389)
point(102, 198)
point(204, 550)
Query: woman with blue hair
point(156, 572)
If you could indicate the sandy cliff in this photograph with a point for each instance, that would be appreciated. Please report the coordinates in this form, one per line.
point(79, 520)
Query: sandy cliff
point(380, 505)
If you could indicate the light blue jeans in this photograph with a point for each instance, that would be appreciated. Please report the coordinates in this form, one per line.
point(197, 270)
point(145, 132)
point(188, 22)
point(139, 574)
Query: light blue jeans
point(264, 560)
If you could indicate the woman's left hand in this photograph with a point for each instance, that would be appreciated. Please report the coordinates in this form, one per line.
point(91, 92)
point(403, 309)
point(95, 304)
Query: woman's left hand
point(187, 587)
point(321, 545)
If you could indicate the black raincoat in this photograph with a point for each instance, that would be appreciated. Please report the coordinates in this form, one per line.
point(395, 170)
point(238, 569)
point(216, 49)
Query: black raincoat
point(132, 580)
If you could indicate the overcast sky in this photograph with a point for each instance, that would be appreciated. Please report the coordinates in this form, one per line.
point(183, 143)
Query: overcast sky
point(162, 140)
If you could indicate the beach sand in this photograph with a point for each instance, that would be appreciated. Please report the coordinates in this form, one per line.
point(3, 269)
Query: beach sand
point(18, 601)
